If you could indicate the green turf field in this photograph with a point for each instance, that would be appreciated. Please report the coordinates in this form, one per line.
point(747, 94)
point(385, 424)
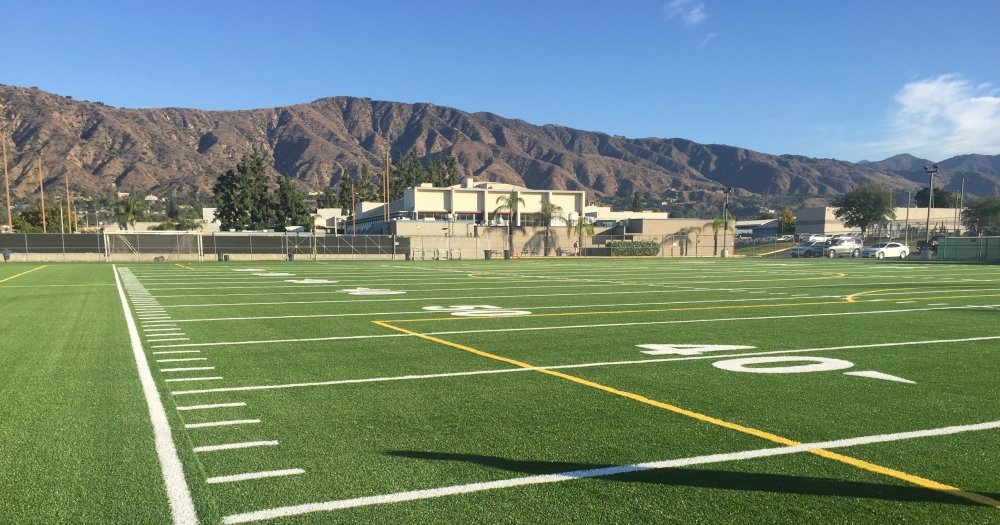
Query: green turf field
point(526, 391)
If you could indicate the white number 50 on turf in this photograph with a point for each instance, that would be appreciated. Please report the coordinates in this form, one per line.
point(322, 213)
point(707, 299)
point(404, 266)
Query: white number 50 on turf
point(477, 310)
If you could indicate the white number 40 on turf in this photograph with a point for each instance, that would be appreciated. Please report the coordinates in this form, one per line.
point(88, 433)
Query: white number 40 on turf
point(477, 310)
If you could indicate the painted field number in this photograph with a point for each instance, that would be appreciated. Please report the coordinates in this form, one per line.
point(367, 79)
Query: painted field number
point(477, 310)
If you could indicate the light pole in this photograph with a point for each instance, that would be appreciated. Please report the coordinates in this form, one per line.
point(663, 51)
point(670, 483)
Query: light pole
point(725, 221)
point(930, 170)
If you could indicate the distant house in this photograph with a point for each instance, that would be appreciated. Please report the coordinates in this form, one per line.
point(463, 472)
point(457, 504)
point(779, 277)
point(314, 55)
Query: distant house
point(152, 198)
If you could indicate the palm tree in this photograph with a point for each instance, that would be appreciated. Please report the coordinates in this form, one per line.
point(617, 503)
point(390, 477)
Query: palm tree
point(686, 238)
point(549, 212)
point(128, 210)
point(717, 225)
point(509, 204)
point(581, 226)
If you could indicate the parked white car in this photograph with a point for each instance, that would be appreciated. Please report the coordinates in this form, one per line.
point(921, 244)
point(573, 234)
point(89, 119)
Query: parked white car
point(886, 249)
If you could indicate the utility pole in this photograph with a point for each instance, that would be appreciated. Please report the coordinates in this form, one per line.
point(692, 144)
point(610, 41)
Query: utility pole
point(6, 182)
point(69, 205)
point(906, 225)
point(41, 192)
point(385, 187)
point(725, 222)
point(930, 170)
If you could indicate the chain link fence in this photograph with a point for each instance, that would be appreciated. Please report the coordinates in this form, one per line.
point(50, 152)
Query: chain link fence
point(243, 246)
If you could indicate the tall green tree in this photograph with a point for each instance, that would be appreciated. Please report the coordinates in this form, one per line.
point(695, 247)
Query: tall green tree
point(290, 206)
point(329, 197)
point(942, 198)
point(864, 207)
point(29, 220)
point(241, 195)
point(129, 209)
point(346, 193)
point(786, 222)
point(637, 203)
point(368, 190)
point(983, 212)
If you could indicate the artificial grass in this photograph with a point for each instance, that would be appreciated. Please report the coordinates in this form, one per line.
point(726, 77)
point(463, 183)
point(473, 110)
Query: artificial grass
point(370, 438)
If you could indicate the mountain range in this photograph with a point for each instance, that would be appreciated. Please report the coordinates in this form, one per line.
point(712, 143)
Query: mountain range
point(172, 152)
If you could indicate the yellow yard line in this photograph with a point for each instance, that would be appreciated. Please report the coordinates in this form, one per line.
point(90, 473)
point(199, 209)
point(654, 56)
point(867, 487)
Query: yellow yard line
point(57, 285)
point(22, 273)
point(850, 298)
point(854, 462)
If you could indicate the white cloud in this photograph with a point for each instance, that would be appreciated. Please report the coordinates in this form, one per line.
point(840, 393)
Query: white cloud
point(941, 117)
point(690, 12)
point(704, 42)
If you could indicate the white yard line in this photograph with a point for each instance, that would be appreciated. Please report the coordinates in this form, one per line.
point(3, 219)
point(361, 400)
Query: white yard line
point(190, 379)
point(235, 446)
point(178, 493)
point(187, 369)
point(228, 423)
point(713, 356)
point(255, 475)
point(181, 359)
point(566, 327)
point(414, 495)
point(212, 406)
point(178, 352)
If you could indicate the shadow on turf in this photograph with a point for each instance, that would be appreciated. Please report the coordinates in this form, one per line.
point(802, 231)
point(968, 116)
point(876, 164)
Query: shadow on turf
point(716, 479)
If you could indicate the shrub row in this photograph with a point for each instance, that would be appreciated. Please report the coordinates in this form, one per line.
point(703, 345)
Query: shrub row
point(645, 248)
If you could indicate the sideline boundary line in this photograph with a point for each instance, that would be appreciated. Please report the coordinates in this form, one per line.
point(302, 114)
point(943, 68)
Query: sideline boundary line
point(414, 495)
point(178, 492)
point(861, 464)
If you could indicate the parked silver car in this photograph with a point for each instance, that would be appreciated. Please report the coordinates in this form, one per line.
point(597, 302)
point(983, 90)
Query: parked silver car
point(843, 247)
point(808, 249)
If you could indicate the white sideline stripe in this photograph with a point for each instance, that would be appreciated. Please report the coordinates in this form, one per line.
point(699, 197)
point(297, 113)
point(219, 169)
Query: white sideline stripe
point(223, 423)
point(564, 327)
point(579, 365)
point(161, 329)
point(178, 493)
point(413, 495)
point(216, 405)
point(233, 446)
point(187, 369)
point(168, 339)
point(178, 352)
point(186, 379)
point(255, 475)
point(181, 359)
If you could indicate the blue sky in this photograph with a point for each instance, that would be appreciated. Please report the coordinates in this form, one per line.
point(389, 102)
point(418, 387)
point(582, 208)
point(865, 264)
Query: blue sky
point(844, 79)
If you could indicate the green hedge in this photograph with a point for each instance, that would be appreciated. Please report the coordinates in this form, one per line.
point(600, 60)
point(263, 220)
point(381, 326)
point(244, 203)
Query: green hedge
point(626, 248)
